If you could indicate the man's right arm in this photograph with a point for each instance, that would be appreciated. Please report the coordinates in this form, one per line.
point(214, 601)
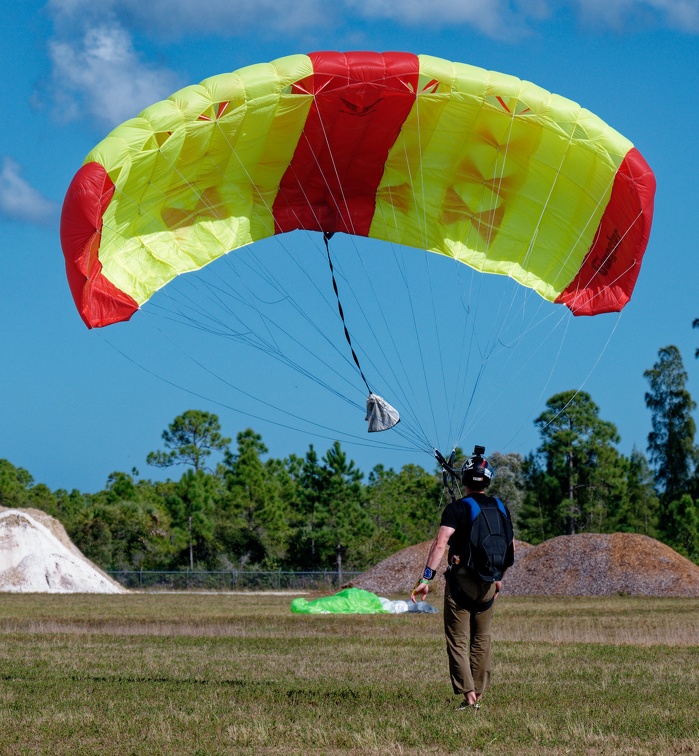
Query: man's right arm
point(434, 559)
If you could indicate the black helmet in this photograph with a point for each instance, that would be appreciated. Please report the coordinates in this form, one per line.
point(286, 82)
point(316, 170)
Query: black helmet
point(476, 472)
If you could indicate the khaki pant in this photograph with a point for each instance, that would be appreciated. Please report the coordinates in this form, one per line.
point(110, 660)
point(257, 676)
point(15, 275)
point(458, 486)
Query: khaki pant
point(468, 635)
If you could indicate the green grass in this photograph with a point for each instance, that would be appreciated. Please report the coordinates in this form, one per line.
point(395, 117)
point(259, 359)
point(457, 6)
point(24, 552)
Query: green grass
point(215, 674)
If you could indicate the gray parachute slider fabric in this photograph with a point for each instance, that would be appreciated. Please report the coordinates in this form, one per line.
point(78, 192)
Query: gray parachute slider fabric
point(379, 414)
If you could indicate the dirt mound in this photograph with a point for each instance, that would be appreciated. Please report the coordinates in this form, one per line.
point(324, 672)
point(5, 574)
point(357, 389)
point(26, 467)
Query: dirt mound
point(592, 564)
point(588, 564)
point(36, 556)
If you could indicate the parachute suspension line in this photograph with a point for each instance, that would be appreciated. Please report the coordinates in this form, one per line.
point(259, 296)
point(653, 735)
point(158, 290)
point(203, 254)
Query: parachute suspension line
point(587, 377)
point(473, 349)
point(378, 404)
point(485, 216)
point(349, 216)
point(429, 279)
point(224, 329)
point(326, 237)
point(608, 190)
point(505, 309)
point(488, 350)
point(276, 351)
point(246, 393)
point(554, 183)
point(423, 217)
point(277, 284)
point(350, 438)
point(407, 378)
point(421, 173)
point(272, 351)
point(270, 347)
point(419, 438)
point(563, 318)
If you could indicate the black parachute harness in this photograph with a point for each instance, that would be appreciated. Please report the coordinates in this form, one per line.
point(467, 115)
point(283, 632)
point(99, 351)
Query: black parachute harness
point(379, 413)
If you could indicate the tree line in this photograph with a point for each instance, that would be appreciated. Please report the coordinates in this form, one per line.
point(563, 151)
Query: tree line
point(235, 507)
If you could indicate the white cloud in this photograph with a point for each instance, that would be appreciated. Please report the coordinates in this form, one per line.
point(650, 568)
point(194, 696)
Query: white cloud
point(104, 78)
point(99, 73)
point(230, 18)
point(495, 18)
point(19, 200)
point(173, 19)
point(233, 19)
point(681, 14)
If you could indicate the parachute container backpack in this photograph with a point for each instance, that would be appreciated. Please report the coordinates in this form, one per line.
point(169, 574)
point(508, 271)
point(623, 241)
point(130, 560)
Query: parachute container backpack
point(487, 170)
point(491, 536)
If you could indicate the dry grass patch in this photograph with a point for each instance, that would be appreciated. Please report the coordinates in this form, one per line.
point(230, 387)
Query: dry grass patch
point(243, 675)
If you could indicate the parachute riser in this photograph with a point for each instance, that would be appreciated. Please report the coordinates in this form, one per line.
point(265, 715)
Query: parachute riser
point(451, 478)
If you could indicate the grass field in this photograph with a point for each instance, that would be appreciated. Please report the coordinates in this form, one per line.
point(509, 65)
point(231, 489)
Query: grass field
point(218, 674)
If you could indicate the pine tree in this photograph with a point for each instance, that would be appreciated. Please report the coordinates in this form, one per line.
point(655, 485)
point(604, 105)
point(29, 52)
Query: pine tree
point(255, 501)
point(671, 442)
point(575, 480)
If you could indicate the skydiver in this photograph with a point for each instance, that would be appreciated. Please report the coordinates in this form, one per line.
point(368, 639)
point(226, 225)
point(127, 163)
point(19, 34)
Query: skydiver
point(470, 589)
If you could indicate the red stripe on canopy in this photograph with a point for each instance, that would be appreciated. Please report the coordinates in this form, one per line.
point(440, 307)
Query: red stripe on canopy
point(608, 274)
point(99, 302)
point(361, 100)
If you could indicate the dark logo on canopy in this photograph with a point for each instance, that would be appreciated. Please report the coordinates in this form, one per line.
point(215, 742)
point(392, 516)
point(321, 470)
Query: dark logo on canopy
point(359, 110)
point(604, 265)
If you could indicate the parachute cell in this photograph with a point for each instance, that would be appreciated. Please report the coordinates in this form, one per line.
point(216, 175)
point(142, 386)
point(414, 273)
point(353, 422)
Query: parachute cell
point(479, 166)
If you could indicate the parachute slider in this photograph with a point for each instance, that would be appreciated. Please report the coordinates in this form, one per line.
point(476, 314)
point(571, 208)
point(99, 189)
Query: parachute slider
point(379, 414)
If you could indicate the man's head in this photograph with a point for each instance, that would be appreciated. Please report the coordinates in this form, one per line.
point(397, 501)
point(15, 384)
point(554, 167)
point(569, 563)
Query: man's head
point(476, 472)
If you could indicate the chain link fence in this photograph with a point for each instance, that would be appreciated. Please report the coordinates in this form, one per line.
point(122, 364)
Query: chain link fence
point(230, 580)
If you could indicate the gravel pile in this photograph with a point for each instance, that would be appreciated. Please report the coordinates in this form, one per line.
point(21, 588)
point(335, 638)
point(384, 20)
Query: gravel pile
point(592, 564)
point(589, 564)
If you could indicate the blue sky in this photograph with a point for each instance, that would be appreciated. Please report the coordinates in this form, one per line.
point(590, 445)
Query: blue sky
point(79, 404)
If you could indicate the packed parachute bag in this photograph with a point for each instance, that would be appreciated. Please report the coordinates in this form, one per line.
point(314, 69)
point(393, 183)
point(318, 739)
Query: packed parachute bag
point(491, 537)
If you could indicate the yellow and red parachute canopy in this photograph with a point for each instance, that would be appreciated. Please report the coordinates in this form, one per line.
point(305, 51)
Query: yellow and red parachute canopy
point(479, 166)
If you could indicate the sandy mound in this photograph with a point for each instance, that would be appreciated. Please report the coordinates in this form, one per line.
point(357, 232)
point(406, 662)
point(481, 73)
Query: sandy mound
point(588, 564)
point(36, 556)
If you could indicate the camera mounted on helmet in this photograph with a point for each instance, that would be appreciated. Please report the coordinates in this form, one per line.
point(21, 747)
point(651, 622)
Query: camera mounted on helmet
point(476, 472)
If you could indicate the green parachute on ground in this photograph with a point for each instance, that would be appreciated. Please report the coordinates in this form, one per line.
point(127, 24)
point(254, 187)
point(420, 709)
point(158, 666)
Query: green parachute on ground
point(347, 601)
